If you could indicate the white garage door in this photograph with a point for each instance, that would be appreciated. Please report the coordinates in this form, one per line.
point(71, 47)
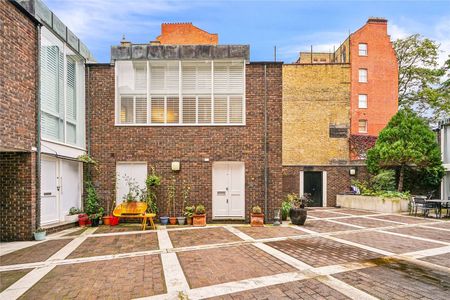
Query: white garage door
point(129, 171)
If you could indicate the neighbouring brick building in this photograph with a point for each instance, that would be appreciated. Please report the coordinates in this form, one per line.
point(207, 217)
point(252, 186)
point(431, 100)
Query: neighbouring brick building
point(41, 119)
point(202, 107)
point(334, 106)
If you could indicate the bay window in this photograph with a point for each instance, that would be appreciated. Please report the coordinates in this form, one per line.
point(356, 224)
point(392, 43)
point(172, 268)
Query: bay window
point(165, 93)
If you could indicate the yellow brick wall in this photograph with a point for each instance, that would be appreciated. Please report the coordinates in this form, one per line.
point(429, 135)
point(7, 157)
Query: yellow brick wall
point(314, 96)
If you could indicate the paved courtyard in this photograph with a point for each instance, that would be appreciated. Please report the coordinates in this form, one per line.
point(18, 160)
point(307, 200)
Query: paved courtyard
point(338, 254)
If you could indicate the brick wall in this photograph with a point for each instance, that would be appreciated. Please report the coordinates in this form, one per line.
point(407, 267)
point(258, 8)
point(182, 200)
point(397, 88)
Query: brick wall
point(18, 79)
point(190, 145)
point(17, 195)
point(315, 97)
point(338, 179)
point(185, 34)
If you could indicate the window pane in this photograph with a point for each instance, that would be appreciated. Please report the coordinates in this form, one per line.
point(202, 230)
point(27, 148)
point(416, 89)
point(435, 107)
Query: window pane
point(189, 110)
point(71, 133)
point(140, 77)
point(362, 126)
point(220, 109)
point(126, 110)
point(204, 110)
point(173, 110)
point(362, 75)
point(362, 49)
point(157, 104)
point(125, 80)
point(141, 110)
point(236, 109)
point(362, 101)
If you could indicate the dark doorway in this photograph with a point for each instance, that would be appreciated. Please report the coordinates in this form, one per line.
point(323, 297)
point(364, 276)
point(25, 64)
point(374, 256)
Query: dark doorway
point(312, 184)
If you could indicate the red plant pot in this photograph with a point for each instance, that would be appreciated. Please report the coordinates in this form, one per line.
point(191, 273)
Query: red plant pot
point(83, 221)
point(114, 221)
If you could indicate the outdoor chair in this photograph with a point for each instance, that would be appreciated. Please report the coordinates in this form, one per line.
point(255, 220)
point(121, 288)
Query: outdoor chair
point(419, 203)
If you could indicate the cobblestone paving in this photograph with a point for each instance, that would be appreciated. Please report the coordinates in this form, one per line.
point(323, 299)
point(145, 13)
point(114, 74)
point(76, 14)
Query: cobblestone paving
point(323, 214)
point(7, 278)
point(111, 279)
point(364, 222)
point(304, 289)
point(203, 236)
point(35, 253)
point(269, 231)
point(214, 266)
point(400, 280)
point(441, 260)
point(429, 233)
point(326, 226)
point(318, 252)
point(403, 219)
point(105, 245)
point(388, 242)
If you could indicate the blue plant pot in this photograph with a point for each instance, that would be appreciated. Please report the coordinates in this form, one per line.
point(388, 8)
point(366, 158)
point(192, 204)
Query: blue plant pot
point(39, 236)
point(164, 220)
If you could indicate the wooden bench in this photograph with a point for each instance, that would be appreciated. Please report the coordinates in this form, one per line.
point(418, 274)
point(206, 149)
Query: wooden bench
point(134, 210)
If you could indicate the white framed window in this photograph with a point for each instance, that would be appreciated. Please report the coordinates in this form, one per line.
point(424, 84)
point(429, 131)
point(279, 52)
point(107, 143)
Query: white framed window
point(362, 126)
point(362, 101)
point(61, 91)
point(362, 75)
point(165, 93)
point(362, 49)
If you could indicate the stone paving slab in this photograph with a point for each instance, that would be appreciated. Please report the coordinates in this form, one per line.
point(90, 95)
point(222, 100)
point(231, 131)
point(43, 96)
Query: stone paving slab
point(445, 225)
point(115, 244)
point(120, 228)
point(441, 260)
point(429, 233)
point(7, 278)
point(269, 231)
point(404, 219)
point(324, 214)
point(368, 223)
point(319, 252)
point(326, 226)
point(388, 242)
point(77, 232)
point(35, 253)
point(220, 265)
point(302, 289)
point(124, 278)
point(400, 280)
point(203, 236)
point(356, 212)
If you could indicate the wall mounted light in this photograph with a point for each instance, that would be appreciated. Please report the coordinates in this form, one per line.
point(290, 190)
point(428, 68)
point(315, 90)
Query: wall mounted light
point(352, 172)
point(176, 166)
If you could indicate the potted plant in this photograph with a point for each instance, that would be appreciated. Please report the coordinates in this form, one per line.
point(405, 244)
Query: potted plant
point(189, 212)
point(199, 217)
point(39, 234)
point(298, 212)
point(256, 217)
point(83, 220)
point(152, 182)
point(185, 192)
point(285, 207)
point(72, 217)
point(92, 208)
point(171, 195)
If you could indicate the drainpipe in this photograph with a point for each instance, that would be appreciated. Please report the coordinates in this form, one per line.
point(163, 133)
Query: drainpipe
point(266, 175)
point(38, 128)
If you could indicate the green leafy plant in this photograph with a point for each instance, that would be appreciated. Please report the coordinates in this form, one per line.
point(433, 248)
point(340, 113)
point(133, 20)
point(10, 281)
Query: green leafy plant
point(285, 207)
point(39, 229)
point(134, 191)
point(189, 211)
point(92, 207)
point(297, 202)
point(171, 196)
point(200, 209)
point(256, 210)
point(152, 183)
point(74, 211)
point(185, 192)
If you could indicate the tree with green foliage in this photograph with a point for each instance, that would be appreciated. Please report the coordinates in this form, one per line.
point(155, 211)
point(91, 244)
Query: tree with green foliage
point(421, 81)
point(406, 143)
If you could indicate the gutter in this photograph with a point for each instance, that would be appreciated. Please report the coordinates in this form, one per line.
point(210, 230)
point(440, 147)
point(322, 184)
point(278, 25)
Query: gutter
point(266, 173)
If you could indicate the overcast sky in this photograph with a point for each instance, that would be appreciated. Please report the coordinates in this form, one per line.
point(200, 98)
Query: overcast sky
point(290, 25)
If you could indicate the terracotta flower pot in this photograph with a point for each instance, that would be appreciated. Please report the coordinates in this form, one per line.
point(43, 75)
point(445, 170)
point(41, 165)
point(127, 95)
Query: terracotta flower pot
point(256, 220)
point(189, 220)
point(173, 220)
point(107, 220)
point(199, 220)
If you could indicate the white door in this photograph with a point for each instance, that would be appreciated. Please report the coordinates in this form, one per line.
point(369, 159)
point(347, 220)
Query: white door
point(49, 191)
point(126, 172)
point(228, 190)
point(70, 190)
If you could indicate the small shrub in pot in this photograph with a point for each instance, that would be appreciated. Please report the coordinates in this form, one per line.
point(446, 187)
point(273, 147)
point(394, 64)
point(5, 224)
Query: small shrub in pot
point(298, 212)
point(256, 217)
point(199, 217)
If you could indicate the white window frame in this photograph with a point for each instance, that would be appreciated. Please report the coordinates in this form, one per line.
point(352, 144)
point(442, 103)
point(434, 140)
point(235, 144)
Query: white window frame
point(366, 101)
point(180, 95)
point(366, 77)
point(366, 127)
point(363, 52)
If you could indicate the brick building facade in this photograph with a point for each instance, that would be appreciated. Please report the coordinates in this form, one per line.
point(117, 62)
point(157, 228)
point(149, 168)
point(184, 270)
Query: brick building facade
point(185, 34)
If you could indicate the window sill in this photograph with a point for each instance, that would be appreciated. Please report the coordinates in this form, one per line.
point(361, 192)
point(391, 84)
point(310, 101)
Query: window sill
point(179, 125)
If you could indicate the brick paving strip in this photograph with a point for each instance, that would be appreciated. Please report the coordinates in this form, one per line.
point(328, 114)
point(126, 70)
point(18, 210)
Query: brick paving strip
point(26, 282)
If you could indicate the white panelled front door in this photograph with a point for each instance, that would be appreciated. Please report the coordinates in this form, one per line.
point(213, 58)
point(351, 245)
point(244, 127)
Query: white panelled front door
point(61, 188)
point(228, 200)
point(49, 190)
point(135, 171)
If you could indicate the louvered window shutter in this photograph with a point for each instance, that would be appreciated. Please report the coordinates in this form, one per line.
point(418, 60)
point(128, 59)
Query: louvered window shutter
point(126, 110)
point(220, 109)
point(173, 110)
point(157, 113)
point(172, 78)
point(220, 78)
point(236, 79)
point(140, 78)
point(71, 90)
point(189, 79)
point(141, 110)
point(189, 110)
point(204, 109)
point(236, 109)
point(157, 79)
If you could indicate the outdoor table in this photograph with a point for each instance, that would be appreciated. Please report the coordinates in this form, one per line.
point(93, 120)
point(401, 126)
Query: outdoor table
point(438, 204)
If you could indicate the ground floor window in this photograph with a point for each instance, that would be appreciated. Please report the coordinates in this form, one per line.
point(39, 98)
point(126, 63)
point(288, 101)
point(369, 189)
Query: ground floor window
point(130, 178)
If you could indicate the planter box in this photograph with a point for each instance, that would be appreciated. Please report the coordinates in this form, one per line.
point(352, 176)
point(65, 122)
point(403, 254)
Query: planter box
point(199, 220)
point(71, 218)
point(256, 220)
point(378, 204)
